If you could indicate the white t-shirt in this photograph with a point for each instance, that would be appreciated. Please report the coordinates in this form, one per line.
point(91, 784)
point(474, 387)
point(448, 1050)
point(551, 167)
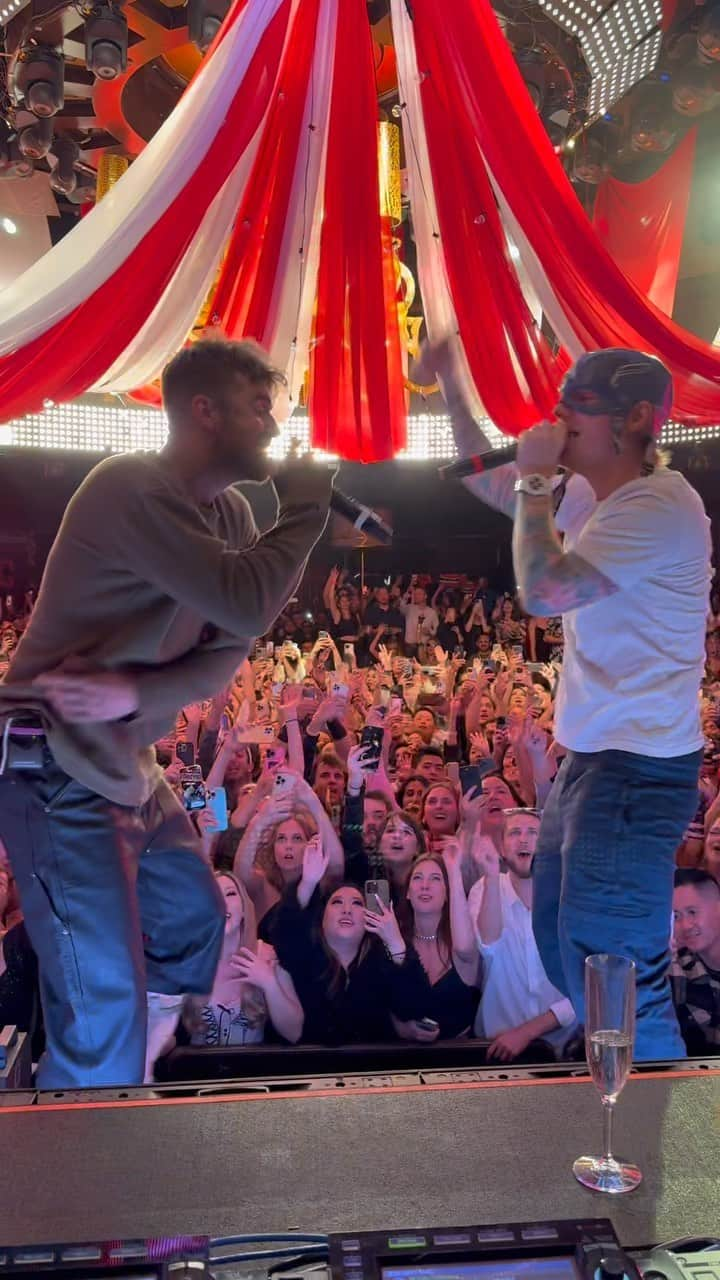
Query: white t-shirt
point(634, 661)
point(515, 985)
point(416, 632)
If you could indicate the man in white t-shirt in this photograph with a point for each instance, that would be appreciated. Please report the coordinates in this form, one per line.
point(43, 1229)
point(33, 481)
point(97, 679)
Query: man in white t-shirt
point(421, 620)
point(631, 581)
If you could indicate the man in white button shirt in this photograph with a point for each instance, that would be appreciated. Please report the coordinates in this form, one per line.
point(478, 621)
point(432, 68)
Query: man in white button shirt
point(631, 581)
point(519, 1004)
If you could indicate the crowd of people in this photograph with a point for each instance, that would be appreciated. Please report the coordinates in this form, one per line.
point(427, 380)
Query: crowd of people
point(368, 789)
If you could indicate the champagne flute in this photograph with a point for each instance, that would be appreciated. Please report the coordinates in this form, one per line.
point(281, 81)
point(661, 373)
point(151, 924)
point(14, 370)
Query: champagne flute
point(609, 1041)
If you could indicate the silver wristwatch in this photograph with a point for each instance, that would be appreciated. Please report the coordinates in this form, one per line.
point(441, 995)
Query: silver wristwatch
point(536, 486)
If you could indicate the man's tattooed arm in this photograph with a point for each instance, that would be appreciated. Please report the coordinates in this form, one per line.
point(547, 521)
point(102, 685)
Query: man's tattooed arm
point(551, 581)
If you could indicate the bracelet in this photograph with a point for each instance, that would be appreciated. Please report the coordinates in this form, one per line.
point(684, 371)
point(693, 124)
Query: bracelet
point(397, 955)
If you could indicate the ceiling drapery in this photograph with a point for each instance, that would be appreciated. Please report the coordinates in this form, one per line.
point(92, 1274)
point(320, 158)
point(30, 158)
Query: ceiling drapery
point(267, 173)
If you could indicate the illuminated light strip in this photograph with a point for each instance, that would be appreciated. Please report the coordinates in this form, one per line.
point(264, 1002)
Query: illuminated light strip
point(8, 10)
point(102, 429)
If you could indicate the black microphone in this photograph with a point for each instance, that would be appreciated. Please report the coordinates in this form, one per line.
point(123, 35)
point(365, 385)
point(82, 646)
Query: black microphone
point(364, 519)
point(478, 463)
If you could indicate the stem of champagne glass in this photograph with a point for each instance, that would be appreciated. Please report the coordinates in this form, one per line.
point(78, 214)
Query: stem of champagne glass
point(608, 1110)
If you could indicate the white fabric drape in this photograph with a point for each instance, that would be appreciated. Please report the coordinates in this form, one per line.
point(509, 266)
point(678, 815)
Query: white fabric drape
point(98, 246)
point(549, 303)
point(296, 278)
point(440, 318)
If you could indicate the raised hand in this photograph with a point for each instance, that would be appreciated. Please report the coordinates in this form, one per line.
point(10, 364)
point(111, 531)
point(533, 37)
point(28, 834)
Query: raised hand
point(535, 740)
point(385, 657)
point(479, 745)
point(452, 856)
point(473, 807)
point(315, 862)
point(359, 767)
point(485, 856)
point(384, 925)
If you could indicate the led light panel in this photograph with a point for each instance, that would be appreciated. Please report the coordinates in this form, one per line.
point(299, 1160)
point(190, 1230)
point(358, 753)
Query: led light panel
point(612, 85)
point(88, 428)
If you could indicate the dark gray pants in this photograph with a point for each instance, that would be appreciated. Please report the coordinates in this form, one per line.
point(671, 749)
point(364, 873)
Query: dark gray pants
point(117, 901)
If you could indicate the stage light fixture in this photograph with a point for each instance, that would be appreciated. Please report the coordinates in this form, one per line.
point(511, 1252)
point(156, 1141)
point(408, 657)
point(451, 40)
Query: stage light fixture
point(572, 15)
point(36, 139)
point(106, 42)
point(63, 178)
point(9, 9)
point(8, 226)
point(40, 79)
point(612, 85)
point(85, 427)
point(205, 18)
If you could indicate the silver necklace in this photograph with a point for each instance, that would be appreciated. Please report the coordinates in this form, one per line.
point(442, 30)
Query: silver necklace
point(426, 937)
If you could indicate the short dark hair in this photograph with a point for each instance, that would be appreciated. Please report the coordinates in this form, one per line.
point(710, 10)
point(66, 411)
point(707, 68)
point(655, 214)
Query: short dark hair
point(695, 878)
point(210, 366)
point(328, 756)
point(429, 750)
point(380, 797)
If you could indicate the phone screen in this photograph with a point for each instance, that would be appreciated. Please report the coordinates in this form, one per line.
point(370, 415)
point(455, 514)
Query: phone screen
point(217, 803)
point(375, 889)
point(371, 740)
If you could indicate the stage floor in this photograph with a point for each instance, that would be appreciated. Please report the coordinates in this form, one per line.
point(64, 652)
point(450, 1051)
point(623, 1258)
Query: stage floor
point(360, 1159)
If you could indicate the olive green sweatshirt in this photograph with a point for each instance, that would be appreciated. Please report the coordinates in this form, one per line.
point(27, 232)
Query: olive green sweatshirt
point(142, 580)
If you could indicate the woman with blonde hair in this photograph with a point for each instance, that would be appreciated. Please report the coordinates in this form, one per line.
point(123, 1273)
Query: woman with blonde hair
point(269, 857)
point(250, 987)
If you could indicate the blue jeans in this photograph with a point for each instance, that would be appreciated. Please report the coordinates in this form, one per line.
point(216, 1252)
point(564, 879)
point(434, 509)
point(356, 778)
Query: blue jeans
point(603, 877)
point(115, 900)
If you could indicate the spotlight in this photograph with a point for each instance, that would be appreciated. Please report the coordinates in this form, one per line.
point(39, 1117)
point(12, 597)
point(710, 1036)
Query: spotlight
point(205, 18)
point(63, 177)
point(36, 139)
point(39, 79)
point(708, 36)
point(8, 226)
point(106, 42)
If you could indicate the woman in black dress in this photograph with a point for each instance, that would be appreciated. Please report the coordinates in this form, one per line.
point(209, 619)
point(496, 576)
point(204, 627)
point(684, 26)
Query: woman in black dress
point(438, 928)
point(352, 971)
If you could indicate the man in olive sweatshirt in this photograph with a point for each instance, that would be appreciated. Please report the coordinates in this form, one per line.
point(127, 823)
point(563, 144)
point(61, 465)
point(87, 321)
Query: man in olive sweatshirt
point(153, 593)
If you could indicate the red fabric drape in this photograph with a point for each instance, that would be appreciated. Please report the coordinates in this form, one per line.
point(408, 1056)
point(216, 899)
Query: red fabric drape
point(642, 224)
point(73, 354)
point(468, 50)
point(357, 406)
point(511, 365)
point(243, 298)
